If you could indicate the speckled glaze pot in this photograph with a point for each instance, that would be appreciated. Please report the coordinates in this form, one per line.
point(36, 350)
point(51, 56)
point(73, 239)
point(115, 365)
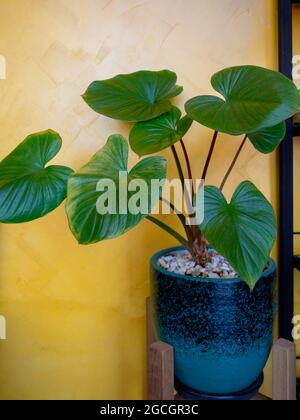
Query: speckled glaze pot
point(221, 332)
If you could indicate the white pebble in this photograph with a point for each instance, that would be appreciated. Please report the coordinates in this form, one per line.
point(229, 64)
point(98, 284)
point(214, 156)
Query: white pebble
point(162, 262)
point(183, 263)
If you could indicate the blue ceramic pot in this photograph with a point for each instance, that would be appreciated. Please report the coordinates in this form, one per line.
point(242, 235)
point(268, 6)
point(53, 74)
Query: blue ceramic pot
point(221, 332)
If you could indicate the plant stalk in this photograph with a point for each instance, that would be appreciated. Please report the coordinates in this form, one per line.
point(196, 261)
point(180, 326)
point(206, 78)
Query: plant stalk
point(181, 176)
point(188, 165)
point(211, 150)
point(182, 219)
point(233, 163)
point(178, 165)
point(200, 251)
point(171, 231)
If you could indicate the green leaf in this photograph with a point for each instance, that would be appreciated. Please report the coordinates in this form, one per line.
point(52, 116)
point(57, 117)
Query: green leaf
point(267, 140)
point(134, 97)
point(255, 98)
point(28, 190)
point(160, 133)
point(87, 224)
point(243, 231)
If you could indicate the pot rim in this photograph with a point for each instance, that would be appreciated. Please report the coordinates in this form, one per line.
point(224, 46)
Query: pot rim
point(158, 255)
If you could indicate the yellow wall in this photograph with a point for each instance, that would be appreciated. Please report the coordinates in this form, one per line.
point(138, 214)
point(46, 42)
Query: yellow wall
point(76, 315)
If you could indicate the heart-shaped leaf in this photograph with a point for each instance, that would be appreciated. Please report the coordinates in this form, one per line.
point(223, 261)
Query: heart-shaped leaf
point(134, 97)
point(108, 167)
point(160, 133)
point(28, 190)
point(243, 231)
point(255, 98)
point(267, 140)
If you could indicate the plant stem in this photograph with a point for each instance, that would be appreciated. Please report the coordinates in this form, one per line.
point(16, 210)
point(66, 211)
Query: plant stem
point(181, 176)
point(188, 164)
point(211, 150)
point(178, 165)
point(182, 219)
point(169, 230)
point(233, 163)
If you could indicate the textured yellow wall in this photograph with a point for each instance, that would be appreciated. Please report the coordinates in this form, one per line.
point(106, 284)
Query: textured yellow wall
point(76, 317)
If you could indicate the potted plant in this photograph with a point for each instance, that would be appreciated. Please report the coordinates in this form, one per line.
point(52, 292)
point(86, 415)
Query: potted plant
point(213, 297)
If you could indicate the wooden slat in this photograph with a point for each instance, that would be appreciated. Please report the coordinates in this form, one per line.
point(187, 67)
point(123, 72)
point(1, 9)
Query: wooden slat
point(284, 371)
point(260, 397)
point(160, 364)
point(178, 398)
point(151, 336)
point(161, 372)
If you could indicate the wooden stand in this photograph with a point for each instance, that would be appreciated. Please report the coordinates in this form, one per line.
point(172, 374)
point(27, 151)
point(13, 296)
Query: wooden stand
point(161, 368)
